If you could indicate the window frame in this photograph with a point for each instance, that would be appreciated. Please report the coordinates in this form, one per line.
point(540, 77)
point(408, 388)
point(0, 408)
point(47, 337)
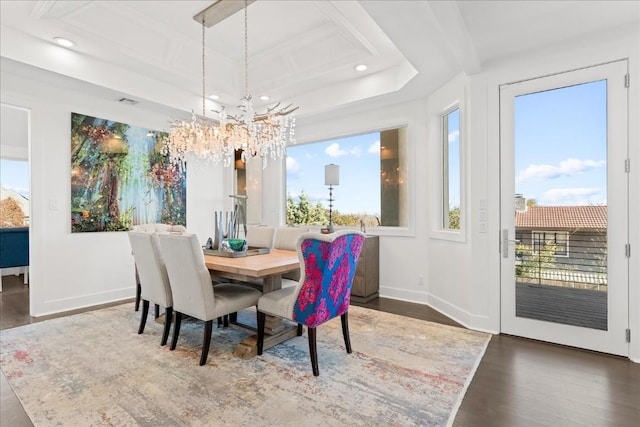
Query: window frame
point(410, 191)
point(549, 232)
point(450, 97)
point(445, 162)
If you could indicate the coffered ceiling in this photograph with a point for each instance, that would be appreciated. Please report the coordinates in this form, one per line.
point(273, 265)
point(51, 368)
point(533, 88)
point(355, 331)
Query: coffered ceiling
point(299, 51)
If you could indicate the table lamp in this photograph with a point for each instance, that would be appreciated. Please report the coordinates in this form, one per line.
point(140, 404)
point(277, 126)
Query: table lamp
point(331, 178)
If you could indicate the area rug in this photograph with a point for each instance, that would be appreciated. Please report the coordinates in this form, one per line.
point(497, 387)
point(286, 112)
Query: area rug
point(93, 369)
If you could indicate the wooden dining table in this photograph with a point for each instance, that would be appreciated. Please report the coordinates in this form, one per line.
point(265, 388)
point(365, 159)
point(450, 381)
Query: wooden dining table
point(269, 267)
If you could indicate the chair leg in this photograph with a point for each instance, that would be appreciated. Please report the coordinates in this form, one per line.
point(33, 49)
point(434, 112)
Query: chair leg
point(138, 295)
point(345, 331)
point(157, 311)
point(225, 320)
point(208, 325)
point(313, 352)
point(143, 316)
point(299, 329)
point(168, 315)
point(219, 321)
point(261, 321)
point(176, 330)
point(233, 317)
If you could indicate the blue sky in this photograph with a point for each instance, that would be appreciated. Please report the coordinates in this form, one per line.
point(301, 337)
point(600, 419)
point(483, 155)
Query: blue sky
point(359, 161)
point(560, 146)
point(14, 175)
point(453, 133)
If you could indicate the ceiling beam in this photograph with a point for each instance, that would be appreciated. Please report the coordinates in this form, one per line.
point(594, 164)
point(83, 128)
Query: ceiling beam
point(456, 35)
point(219, 11)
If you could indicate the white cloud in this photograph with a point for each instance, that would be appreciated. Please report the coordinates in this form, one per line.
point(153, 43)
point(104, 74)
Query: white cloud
point(292, 165)
point(453, 136)
point(374, 148)
point(565, 168)
point(334, 150)
point(572, 196)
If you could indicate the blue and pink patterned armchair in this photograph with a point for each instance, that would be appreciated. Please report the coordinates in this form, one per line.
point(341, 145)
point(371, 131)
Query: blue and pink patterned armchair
point(327, 266)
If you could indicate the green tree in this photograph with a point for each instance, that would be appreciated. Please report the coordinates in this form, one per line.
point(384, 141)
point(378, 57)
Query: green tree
point(454, 218)
point(531, 264)
point(304, 212)
point(351, 220)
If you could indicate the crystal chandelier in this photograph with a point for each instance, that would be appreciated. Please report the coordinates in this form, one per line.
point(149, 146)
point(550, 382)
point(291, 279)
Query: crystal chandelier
point(197, 137)
point(263, 135)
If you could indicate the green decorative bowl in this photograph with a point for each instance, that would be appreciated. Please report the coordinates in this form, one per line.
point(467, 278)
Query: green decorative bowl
point(237, 244)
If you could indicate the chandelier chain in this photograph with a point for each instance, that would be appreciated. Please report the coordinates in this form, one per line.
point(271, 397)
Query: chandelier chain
point(203, 73)
point(255, 134)
point(246, 50)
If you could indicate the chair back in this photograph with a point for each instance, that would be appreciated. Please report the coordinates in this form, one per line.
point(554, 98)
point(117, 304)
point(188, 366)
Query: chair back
point(159, 228)
point(260, 237)
point(287, 237)
point(154, 281)
point(188, 275)
point(327, 263)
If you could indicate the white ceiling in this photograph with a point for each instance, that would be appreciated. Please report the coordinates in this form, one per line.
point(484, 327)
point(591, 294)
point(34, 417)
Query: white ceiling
point(299, 51)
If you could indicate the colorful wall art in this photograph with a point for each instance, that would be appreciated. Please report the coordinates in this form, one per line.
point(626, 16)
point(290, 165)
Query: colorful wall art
point(120, 178)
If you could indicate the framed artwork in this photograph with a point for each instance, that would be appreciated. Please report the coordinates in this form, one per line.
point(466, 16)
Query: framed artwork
point(120, 177)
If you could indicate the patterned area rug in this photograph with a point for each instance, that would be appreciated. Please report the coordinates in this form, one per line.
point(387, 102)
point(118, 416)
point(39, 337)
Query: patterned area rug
point(93, 369)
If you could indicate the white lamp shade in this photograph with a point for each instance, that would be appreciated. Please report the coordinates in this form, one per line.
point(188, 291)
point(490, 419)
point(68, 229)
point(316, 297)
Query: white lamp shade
point(331, 174)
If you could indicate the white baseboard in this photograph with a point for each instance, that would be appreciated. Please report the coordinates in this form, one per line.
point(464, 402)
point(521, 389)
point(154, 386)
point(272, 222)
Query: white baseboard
point(61, 305)
point(13, 271)
point(468, 320)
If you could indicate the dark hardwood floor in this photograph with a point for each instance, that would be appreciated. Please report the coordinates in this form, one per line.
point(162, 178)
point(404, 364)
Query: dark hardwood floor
point(519, 382)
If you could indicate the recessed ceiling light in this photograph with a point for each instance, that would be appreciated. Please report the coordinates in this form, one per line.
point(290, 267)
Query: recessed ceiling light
point(63, 42)
point(264, 98)
point(361, 67)
point(214, 97)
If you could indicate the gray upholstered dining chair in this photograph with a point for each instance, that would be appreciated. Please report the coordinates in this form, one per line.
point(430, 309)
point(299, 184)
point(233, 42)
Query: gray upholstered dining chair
point(153, 228)
point(286, 239)
point(153, 278)
point(259, 236)
point(327, 266)
point(193, 293)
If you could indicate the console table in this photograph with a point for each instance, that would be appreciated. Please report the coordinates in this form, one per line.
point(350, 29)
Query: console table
point(366, 282)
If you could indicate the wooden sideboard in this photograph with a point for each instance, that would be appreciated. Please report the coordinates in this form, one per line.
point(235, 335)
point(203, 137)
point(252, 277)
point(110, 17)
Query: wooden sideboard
point(366, 282)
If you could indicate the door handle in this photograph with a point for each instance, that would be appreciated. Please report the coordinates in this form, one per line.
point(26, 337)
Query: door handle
point(506, 241)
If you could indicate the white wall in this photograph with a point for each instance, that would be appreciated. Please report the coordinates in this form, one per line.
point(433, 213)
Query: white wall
point(68, 270)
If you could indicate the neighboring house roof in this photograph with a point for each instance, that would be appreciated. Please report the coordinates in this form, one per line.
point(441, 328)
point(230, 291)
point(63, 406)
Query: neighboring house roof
point(554, 217)
point(23, 202)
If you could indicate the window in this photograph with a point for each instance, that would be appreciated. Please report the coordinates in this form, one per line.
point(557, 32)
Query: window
point(447, 148)
point(556, 241)
point(14, 205)
point(451, 170)
point(372, 183)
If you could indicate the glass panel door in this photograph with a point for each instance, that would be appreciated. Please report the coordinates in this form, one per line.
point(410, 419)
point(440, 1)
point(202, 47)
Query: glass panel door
point(563, 206)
